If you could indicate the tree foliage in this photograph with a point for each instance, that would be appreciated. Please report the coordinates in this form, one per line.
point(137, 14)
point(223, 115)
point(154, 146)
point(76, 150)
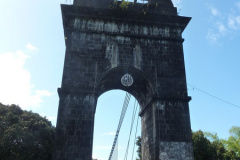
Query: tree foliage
point(24, 135)
point(124, 4)
point(233, 142)
point(216, 148)
point(203, 150)
point(139, 150)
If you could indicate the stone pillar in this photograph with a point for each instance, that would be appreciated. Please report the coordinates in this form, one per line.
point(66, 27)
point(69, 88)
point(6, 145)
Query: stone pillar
point(75, 124)
point(166, 130)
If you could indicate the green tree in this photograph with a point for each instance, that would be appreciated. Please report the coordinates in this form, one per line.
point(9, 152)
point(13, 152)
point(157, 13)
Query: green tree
point(139, 150)
point(218, 149)
point(203, 150)
point(24, 135)
point(233, 143)
point(217, 145)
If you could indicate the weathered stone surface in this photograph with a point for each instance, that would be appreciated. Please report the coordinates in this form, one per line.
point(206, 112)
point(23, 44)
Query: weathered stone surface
point(102, 45)
point(176, 150)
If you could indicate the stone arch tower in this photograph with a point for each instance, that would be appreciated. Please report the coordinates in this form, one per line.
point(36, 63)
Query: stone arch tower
point(106, 40)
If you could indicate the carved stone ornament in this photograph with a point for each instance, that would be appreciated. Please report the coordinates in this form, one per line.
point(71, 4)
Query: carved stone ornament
point(127, 80)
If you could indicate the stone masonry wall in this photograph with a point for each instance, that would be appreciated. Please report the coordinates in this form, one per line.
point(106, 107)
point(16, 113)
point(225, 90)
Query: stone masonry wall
point(103, 44)
point(75, 126)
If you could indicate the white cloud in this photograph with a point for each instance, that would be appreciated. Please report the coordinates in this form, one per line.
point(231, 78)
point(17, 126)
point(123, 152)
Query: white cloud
point(104, 147)
point(31, 47)
point(15, 82)
point(221, 28)
point(43, 93)
point(237, 20)
point(94, 156)
point(234, 22)
point(212, 36)
point(224, 24)
point(231, 23)
point(109, 134)
point(214, 11)
point(52, 118)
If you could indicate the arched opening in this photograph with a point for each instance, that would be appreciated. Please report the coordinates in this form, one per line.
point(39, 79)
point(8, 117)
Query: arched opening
point(109, 105)
point(107, 117)
point(141, 88)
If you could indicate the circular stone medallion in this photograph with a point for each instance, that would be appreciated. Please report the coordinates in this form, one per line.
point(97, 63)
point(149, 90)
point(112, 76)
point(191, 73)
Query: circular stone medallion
point(127, 80)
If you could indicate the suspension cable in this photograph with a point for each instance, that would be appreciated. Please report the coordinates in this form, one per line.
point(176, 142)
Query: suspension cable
point(124, 109)
point(134, 144)
point(133, 119)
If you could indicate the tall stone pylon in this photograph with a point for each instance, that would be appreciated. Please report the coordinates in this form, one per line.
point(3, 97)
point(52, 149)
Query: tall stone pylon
point(134, 47)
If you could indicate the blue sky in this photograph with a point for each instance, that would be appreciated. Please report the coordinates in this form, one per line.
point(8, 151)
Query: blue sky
point(32, 54)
